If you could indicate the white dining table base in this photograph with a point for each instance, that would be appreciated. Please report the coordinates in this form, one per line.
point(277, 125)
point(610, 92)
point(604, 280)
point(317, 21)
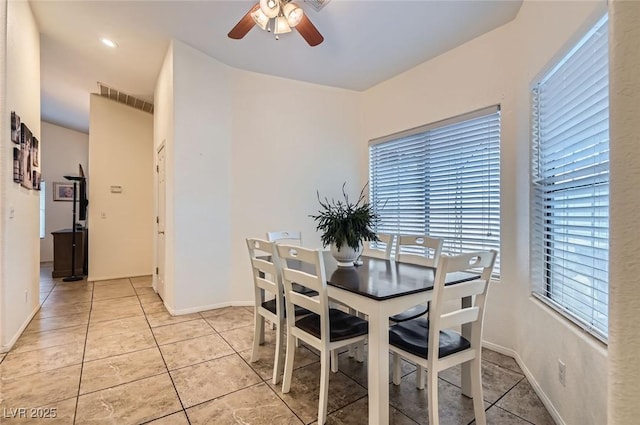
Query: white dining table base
point(378, 312)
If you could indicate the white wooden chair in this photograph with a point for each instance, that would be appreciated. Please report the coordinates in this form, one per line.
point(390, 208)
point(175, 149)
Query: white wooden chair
point(424, 251)
point(375, 252)
point(285, 236)
point(418, 249)
point(434, 344)
point(326, 329)
point(267, 278)
point(421, 250)
point(291, 237)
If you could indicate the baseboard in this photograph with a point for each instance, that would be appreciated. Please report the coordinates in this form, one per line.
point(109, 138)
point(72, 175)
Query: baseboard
point(207, 307)
point(10, 344)
point(499, 349)
point(99, 278)
point(527, 373)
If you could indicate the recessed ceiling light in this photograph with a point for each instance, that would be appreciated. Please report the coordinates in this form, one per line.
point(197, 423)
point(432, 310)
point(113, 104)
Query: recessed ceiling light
point(108, 43)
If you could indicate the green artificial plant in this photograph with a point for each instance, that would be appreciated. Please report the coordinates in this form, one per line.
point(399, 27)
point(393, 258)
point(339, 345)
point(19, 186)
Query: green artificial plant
point(344, 222)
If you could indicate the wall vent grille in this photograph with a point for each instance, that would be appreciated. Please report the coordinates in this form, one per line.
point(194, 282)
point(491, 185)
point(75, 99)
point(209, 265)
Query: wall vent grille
point(317, 4)
point(127, 99)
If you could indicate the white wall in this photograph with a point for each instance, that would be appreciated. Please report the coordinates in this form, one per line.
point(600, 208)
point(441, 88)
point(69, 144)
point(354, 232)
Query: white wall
point(163, 125)
point(238, 165)
point(20, 241)
point(289, 140)
point(62, 150)
point(198, 179)
point(624, 266)
point(120, 224)
point(498, 68)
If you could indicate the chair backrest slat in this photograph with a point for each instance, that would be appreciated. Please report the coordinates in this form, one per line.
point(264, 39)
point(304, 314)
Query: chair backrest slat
point(385, 254)
point(305, 301)
point(459, 317)
point(266, 272)
point(290, 237)
point(262, 265)
point(302, 278)
point(418, 249)
point(463, 289)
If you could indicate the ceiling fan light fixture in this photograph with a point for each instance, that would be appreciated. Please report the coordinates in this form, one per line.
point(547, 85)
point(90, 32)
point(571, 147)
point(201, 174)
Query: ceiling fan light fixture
point(260, 19)
point(281, 26)
point(270, 8)
point(293, 13)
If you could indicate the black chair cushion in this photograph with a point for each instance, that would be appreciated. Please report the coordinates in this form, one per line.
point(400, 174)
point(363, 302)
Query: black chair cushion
point(410, 314)
point(342, 325)
point(412, 336)
point(304, 290)
point(271, 306)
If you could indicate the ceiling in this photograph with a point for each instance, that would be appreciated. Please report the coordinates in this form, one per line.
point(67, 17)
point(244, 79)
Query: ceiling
point(366, 42)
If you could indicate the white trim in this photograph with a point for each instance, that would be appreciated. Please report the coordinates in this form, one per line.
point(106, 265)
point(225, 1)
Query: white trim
point(99, 278)
point(208, 307)
point(568, 315)
point(532, 381)
point(9, 345)
point(442, 123)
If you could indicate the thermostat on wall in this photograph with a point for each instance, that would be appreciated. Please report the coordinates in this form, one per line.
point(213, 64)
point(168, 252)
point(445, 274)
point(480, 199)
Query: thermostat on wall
point(116, 189)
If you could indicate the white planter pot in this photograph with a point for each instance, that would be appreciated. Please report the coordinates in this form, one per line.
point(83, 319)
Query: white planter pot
point(346, 256)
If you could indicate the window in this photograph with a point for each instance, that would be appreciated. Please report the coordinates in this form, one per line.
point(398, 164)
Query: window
point(441, 179)
point(570, 184)
point(42, 204)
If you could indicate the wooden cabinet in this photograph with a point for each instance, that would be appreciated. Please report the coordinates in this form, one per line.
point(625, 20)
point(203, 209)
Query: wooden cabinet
point(62, 252)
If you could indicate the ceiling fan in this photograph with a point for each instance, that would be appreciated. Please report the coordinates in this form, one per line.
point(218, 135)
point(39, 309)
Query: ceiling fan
point(285, 15)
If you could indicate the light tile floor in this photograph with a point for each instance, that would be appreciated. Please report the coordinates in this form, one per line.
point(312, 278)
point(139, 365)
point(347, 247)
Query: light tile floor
point(109, 353)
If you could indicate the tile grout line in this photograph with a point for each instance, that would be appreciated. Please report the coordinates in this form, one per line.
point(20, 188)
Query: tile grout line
point(175, 389)
point(495, 403)
point(263, 381)
point(84, 350)
point(301, 367)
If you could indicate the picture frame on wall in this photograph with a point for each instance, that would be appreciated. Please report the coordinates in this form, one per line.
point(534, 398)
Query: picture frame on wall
point(26, 166)
point(15, 127)
point(62, 191)
point(35, 147)
point(16, 165)
point(37, 177)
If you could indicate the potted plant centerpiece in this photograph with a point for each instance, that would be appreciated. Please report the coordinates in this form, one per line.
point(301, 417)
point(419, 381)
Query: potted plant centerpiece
point(345, 225)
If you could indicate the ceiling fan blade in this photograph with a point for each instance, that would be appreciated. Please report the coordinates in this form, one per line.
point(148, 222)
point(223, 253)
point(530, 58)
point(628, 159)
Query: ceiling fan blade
point(309, 32)
point(244, 25)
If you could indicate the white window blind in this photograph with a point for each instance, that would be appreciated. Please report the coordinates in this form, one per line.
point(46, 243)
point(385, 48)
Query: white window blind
point(570, 184)
point(443, 180)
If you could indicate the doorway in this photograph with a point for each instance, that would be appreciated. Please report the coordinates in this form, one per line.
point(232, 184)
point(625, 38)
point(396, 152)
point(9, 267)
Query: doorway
point(160, 221)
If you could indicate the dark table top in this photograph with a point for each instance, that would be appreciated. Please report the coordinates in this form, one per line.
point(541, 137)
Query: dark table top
point(384, 279)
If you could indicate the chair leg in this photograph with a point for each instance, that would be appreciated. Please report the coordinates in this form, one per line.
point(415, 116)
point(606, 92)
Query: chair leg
point(278, 363)
point(288, 363)
point(324, 386)
point(258, 336)
point(432, 394)
point(476, 392)
point(334, 361)
point(352, 347)
point(360, 352)
point(396, 369)
point(420, 378)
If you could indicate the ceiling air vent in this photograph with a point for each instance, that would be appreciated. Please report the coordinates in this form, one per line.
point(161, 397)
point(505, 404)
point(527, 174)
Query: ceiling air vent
point(118, 96)
point(317, 4)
